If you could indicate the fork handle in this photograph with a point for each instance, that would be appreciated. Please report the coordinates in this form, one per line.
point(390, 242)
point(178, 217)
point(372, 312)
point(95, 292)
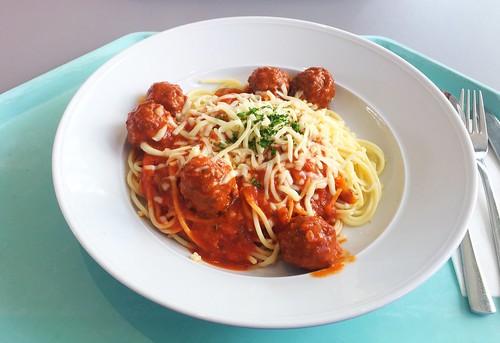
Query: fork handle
point(480, 300)
point(492, 208)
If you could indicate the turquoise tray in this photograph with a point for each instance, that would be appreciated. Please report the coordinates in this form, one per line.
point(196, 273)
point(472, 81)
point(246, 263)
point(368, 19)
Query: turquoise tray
point(51, 290)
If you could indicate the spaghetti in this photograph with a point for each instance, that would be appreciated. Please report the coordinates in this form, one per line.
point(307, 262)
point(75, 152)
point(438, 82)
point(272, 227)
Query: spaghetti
point(243, 178)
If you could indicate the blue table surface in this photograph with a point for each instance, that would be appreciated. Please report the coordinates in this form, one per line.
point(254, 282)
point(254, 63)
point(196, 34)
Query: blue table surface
point(51, 290)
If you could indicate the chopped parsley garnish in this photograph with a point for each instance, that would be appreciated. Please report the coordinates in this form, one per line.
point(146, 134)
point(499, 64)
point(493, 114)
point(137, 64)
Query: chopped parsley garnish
point(255, 182)
point(267, 130)
point(255, 111)
point(295, 126)
point(233, 139)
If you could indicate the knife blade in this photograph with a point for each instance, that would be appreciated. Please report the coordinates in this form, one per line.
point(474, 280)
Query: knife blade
point(493, 125)
point(456, 105)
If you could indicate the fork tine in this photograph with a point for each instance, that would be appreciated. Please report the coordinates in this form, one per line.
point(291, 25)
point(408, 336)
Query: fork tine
point(474, 112)
point(465, 109)
point(482, 115)
point(461, 107)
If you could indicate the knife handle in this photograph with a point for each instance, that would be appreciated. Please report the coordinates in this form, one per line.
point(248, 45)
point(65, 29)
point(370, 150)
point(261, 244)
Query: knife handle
point(480, 300)
point(492, 208)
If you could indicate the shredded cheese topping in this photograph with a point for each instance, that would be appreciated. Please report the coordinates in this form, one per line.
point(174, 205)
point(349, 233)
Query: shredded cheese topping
point(299, 149)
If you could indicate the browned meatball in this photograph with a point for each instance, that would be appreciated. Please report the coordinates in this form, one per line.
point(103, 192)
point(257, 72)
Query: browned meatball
point(265, 79)
point(167, 94)
point(309, 242)
point(145, 122)
point(317, 86)
point(207, 187)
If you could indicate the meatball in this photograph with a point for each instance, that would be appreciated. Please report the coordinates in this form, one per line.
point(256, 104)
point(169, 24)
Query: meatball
point(265, 79)
point(309, 242)
point(316, 84)
point(148, 123)
point(167, 94)
point(207, 186)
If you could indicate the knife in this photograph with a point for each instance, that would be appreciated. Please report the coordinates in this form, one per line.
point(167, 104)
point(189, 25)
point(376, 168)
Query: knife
point(493, 125)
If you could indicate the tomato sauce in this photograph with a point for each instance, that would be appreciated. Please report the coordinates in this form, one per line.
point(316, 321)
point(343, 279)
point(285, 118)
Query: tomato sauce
point(336, 267)
point(225, 240)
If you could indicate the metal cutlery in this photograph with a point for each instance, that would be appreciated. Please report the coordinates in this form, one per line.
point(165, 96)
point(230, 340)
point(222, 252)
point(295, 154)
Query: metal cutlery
point(476, 125)
point(478, 295)
point(479, 298)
